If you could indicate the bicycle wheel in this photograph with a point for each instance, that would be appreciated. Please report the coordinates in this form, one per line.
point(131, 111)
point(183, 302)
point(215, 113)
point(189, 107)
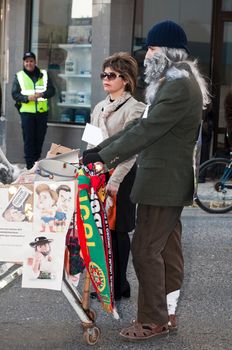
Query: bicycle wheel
point(214, 192)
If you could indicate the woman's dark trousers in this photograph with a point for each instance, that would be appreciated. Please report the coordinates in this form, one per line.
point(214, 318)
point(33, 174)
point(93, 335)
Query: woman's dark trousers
point(121, 251)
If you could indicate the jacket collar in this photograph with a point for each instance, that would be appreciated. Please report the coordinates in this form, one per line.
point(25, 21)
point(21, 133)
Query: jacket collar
point(35, 73)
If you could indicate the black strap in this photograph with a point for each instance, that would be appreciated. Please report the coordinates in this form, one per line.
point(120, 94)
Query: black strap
point(119, 105)
point(122, 104)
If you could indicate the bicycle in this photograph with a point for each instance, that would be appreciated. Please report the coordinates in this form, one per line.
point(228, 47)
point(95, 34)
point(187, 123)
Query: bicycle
point(214, 192)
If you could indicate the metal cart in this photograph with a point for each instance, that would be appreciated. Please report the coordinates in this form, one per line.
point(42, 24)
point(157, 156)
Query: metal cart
point(80, 303)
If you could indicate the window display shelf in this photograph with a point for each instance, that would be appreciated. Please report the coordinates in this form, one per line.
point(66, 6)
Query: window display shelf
point(74, 46)
point(75, 99)
point(73, 105)
point(66, 76)
point(43, 45)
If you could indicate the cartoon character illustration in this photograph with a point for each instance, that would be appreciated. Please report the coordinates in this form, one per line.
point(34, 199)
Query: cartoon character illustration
point(19, 207)
point(14, 215)
point(62, 204)
point(46, 203)
point(42, 261)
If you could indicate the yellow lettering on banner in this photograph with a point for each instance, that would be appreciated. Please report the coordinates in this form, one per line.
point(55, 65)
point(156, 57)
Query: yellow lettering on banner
point(87, 227)
point(84, 198)
point(89, 234)
point(86, 211)
point(88, 231)
point(84, 208)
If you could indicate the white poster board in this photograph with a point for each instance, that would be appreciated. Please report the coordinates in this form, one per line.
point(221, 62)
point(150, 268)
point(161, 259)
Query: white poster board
point(16, 220)
point(34, 219)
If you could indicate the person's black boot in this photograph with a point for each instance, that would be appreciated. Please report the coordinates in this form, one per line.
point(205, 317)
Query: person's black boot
point(126, 290)
point(93, 295)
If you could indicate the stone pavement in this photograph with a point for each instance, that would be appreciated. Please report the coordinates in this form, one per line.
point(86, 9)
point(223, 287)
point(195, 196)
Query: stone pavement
point(44, 320)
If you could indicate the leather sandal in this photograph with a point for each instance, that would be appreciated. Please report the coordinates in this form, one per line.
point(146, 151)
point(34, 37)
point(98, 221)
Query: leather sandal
point(172, 323)
point(143, 331)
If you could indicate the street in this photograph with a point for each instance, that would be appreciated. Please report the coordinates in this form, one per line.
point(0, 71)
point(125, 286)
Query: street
point(43, 319)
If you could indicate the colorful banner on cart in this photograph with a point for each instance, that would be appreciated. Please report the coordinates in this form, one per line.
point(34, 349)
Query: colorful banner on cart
point(34, 219)
point(94, 238)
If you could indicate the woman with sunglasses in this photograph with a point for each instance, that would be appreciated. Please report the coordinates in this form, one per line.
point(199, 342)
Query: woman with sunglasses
point(119, 77)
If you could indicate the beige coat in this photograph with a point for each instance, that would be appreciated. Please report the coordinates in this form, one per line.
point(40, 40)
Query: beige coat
point(117, 121)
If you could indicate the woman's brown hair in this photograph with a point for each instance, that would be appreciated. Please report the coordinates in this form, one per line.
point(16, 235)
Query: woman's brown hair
point(126, 65)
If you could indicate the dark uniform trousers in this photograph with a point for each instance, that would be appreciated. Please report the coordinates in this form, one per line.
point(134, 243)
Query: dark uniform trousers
point(34, 127)
point(158, 260)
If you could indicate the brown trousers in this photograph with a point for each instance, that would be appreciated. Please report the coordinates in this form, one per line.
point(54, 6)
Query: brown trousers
point(157, 258)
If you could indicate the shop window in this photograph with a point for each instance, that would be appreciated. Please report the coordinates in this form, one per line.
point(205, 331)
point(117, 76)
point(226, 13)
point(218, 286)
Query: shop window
point(226, 5)
point(61, 39)
point(193, 16)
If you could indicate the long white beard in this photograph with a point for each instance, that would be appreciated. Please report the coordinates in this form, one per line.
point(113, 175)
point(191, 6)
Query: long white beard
point(151, 91)
point(154, 67)
point(154, 71)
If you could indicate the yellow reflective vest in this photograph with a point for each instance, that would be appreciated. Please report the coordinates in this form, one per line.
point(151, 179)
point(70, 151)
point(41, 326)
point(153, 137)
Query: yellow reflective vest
point(29, 88)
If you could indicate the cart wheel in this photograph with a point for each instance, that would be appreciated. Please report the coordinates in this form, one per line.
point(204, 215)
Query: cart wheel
point(92, 335)
point(91, 314)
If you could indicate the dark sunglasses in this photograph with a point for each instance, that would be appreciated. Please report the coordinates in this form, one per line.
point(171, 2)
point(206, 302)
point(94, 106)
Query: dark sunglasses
point(110, 76)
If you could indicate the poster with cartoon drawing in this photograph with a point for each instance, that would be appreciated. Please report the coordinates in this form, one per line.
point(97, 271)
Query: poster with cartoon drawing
point(53, 206)
point(16, 220)
point(34, 219)
point(44, 254)
point(43, 264)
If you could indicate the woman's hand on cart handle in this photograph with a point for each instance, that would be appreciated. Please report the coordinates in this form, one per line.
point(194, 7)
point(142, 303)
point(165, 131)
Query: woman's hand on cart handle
point(100, 168)
point(111, 189)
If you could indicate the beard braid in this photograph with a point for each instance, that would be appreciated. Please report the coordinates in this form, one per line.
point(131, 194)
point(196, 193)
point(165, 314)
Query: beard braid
point(154, 71)
point(151, 91)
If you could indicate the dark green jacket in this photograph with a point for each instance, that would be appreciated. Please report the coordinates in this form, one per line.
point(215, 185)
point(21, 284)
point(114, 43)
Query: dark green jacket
point(164, 142)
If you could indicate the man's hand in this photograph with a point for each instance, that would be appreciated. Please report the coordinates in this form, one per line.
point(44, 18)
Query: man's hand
point(38, 95)
point(99, 167)
point(32, 97)
point(35, 96)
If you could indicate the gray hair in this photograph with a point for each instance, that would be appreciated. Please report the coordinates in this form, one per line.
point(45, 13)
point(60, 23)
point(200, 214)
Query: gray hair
point(175, 56)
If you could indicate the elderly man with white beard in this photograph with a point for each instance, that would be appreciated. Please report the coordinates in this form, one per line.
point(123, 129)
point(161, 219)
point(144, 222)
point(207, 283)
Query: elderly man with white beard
point(164, 139)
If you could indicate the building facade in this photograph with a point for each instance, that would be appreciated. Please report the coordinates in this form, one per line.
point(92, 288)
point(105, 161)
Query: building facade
point(71, 38)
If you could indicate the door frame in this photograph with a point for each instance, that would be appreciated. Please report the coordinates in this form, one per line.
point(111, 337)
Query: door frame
point(218, 20)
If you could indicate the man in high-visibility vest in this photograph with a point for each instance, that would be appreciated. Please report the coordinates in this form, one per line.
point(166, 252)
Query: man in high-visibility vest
point(31, 89)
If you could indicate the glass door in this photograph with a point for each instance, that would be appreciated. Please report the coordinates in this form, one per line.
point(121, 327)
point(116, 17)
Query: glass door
point(221, 69)
point(62, 43)
point(225, 79)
